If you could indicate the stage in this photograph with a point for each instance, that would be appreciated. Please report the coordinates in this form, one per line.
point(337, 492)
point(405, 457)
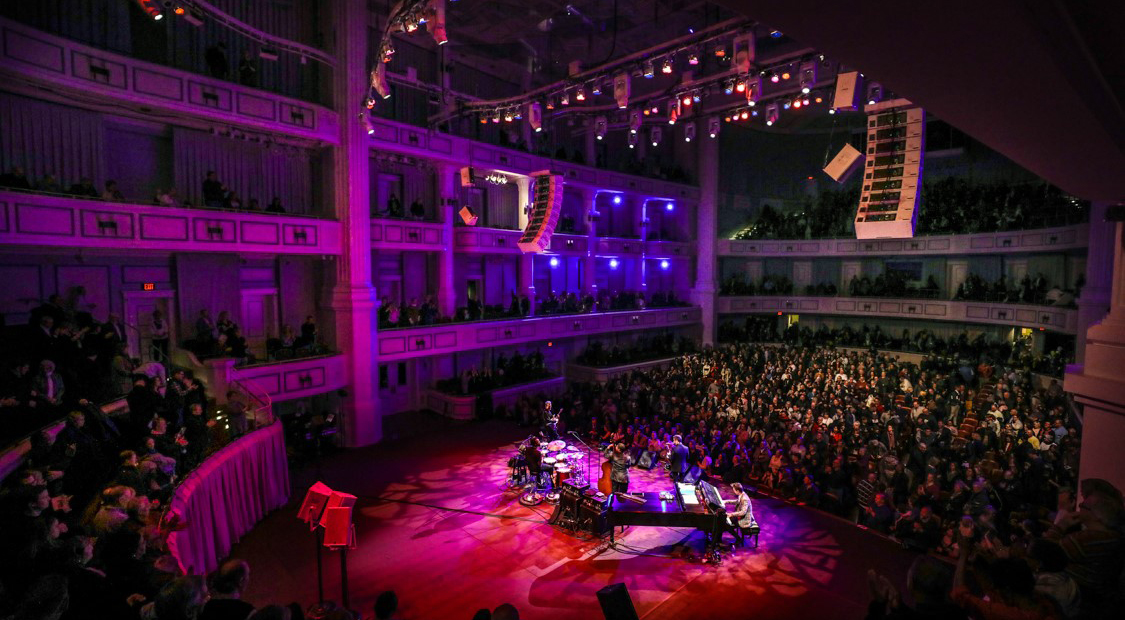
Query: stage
point(437, 524)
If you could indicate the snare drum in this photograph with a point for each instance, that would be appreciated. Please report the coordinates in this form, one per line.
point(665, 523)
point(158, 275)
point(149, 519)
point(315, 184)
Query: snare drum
point(549, 461)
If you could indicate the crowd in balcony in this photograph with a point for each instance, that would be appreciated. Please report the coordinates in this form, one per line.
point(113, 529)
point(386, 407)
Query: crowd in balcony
point(898, 284)
point(216, 195)
point(948, 207)
point(963, 352)
point(985, 465)
point(643, 349)
point(222, 337)
point(393, 209)
point(503, 372)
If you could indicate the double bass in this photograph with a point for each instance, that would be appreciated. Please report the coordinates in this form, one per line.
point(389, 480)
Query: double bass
point(605, 482)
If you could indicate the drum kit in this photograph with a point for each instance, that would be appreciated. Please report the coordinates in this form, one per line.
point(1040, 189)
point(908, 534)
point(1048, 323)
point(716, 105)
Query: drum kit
point(560, 462)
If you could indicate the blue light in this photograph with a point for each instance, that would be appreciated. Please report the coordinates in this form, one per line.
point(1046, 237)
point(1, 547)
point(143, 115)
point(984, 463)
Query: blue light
point(554, 262)
point(671, 206)
point(613, 263)
point(617, 199)
point(664, 264)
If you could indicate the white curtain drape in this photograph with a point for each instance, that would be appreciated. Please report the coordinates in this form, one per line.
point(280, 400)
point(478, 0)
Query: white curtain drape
point(45, 138)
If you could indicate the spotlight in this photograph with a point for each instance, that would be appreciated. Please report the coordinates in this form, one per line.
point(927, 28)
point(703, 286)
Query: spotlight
point(179, 10)
point(580, 95)
point(655, 135)
point(740, 86)
point(774, 78)
point(367, 124)
point(613, 263)
point(785, 75)
point(634, 121)
point(649, 72)
point(787, 105)
point(831, 110)
point(633, 139)
point(689, 132)
point(720, 51)
point(596, 89)
point(693, 59)
point(775, 34)
point(726, 119)
point(369, 103)
point(667, 66)
point(728, 87)
point(772, 114)
point(554, 262)
point(600, 127)
point(713, 127)
point(655, 110)
point(686, 100)
point(496, 116)
point(874, 93)
point(664, 264)
point(807, 75)
point(670, 206)
point(508, 116)
point(617, 199)
point(805, 101)
point(819, 99)
point(805, 89)
point(745, 115)
point(565, 98)
point(696, 97)
point(796, 103)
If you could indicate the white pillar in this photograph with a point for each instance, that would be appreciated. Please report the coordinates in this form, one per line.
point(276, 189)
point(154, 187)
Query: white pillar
point(703, 294)
point(353, 297)
point(1097, 381)
point(524, 201)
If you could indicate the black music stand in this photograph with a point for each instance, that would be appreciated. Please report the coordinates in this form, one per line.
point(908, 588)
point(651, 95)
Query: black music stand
point(311, 510)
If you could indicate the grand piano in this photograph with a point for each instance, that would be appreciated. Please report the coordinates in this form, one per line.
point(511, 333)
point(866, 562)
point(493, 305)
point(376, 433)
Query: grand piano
point(687, 505)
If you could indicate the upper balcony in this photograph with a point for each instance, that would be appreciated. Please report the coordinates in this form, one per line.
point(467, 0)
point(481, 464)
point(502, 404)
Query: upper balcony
point(1058, 239)
point(1064, 320)
point(35, 219)
point(419, 142)
point(404, 234)
point(406, 343)
point(47, 66)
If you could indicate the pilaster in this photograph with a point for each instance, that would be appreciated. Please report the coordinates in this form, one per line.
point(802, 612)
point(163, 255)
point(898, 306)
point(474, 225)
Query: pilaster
point(706, 237)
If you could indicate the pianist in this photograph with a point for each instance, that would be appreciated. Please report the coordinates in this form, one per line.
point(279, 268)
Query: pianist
point(742, 517)
point(620, 461)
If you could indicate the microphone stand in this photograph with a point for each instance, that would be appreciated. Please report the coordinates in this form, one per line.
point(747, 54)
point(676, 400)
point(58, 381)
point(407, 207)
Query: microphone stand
point(589, 461)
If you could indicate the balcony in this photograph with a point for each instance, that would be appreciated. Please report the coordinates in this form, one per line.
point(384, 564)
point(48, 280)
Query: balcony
point(400, 344)
point(569, 245)
point(289, 379)
point(620, 246)
point(1064, 320)
point(411, 140)
point(1040, 240)
point(58, 67)
point(61, 221)
point(392, 234)
point(668, 249)
point(486, 240)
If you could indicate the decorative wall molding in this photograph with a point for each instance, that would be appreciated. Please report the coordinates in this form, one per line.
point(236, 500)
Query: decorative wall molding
point(1011, 242)
point(295, 378)
point(407, 343)
point(59, 221)
point(1064, 320)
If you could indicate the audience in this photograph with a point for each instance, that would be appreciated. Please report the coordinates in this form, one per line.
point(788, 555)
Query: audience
point(504, 372)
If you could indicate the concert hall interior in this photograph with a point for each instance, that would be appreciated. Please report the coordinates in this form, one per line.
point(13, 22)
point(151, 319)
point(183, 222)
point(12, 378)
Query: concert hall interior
point(410, 309)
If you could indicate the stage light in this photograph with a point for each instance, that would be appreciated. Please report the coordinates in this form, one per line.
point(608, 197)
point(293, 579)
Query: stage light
point(483, 119)
point(772, 114)
point(596, 89)
point(686, 101)
point(831, 110)
point(785, 75)
point(666, 68)
point(617, 199)
point(554, 262)
point(805, 101)
point(696, 97)
point(797, 103)
point(634, 122)
point(649, 72)
point(670, 206)
point(367, 124)
point(819, 99)
point(874, 93)
point(713, 126)
point(655, 135)
point(726, 119)
point(774, 78)
point(689, 132)
point(613, 263)
point(655, 110)
point(720, 51)
point(728, 87)
point(693, 59)
point(754, 113)
point(565, 98)
point(744, 115)
point(805, 90)
point(775, 34)
point(787, 105)
point(664, 264)
point(179, 10)
point(633, 139)
point(740, 86)
point(508, 116)
point(580, 95)
point(601, 126)
point(496, 116)
point(369, 103)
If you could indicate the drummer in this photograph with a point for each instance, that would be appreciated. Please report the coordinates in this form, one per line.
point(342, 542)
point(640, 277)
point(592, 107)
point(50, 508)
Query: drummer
point(534, 456)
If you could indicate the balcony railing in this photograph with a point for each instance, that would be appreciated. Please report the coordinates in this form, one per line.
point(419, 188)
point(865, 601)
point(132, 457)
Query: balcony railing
point(38, 219)
point(398, 344)
point(1039, 240)
point(1064, 320)
point(65, 66)
point(395, 234)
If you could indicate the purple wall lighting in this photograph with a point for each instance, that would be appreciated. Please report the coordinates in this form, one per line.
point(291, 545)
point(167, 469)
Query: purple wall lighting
point(554, 262)
point(664, 264)
point(671, 206)
point(613, 263)
point(617, 199)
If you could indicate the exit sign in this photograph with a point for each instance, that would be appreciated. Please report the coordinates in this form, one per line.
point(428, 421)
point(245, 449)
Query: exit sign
point(149, 286)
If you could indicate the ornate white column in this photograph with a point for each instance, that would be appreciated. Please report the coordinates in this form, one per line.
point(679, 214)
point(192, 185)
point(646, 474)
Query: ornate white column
point(353, 297)
point(1097, 381)
point(706, 233)
point(447, 199)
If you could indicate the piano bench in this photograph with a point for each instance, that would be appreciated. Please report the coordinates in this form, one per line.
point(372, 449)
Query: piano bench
point(746, 532)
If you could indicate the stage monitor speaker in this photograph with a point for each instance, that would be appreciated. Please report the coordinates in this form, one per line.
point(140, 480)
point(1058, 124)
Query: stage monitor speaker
point(468, 215)
point(847, 91)
point(467, 176)
point(693, 475)
point(616, 603)
point(316, 498)
point(844, 163)
point(646, 461)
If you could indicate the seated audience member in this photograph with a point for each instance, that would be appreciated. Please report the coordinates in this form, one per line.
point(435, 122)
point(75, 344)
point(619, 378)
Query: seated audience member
point(84, 188)
point(386, 605)
point(49, 183)
point(227, 585)
point(214, 192)
point(275, 206)
point(16, 179)
point(111, 192)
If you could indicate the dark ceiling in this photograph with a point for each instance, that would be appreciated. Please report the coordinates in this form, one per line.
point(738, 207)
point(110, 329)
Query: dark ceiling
point(1042, 82)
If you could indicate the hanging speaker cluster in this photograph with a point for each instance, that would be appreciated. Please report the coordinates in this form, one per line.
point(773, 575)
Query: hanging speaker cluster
point(546, 205)
point(892, 175)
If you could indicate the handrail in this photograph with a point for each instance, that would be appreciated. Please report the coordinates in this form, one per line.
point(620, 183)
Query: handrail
point(537, 316)
point(141, 203)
